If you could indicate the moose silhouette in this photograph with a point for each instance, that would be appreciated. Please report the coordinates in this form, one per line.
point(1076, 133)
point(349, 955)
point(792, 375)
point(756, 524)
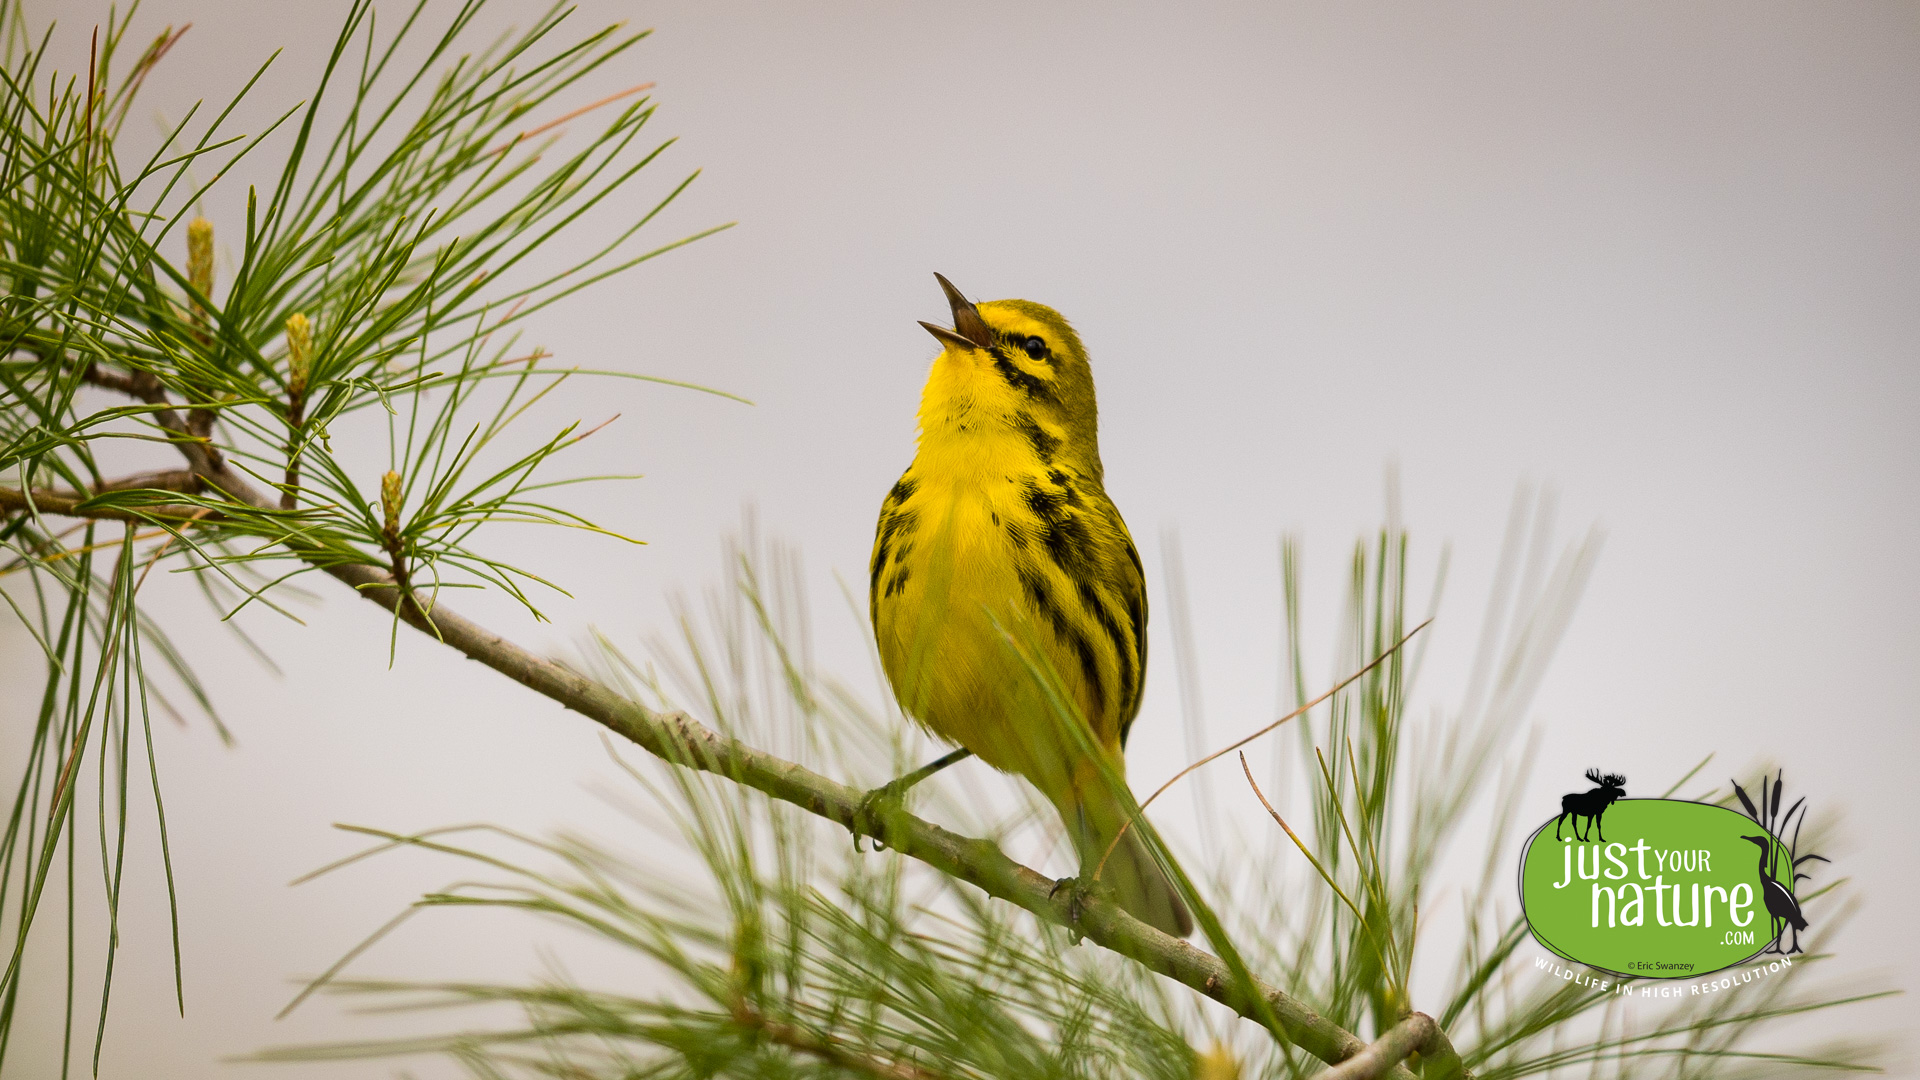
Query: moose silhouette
point(1591, 804)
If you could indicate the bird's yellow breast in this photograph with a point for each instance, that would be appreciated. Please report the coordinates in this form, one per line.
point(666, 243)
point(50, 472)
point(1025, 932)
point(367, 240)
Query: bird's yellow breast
point(996, 572)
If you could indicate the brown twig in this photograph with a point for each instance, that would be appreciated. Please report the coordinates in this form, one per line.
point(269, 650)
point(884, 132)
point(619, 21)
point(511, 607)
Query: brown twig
point(137, 78)
point(10, 499)
point(74, 503)
point(110, 379)
point(290, 484)
point(1302, 710)
point(828, 1049)
point(299, 381)
point(14, 565)
point(581, 111)
point(147, 387)
point(1295, 837)
point(200, 422)
point(160, 550)
point(180, 480)
point(93, 97)
point(200, 452)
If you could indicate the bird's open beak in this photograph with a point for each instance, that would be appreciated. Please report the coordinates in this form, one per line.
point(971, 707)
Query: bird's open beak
point(969, 329)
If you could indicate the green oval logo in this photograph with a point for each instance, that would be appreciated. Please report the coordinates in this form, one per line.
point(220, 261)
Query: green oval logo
point(1654, 888)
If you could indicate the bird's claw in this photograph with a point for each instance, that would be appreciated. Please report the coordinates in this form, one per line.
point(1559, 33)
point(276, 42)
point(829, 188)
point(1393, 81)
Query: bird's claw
point(867, 816)
point(1079, 894)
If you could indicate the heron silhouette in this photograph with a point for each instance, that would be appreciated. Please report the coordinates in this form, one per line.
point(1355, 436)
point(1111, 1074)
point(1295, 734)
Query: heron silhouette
point(1781, 906)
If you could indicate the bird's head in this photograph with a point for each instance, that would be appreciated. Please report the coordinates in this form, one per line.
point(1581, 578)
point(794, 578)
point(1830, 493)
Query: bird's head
point(1011, 366)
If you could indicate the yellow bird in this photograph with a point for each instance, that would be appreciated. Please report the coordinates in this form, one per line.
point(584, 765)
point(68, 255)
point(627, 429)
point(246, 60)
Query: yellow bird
point(1007, 597)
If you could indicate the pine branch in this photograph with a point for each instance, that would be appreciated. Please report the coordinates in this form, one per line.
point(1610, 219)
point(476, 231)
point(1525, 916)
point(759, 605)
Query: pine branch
point(78, 504)
point(180, 480)
point(681, 740)
point(110, 379)
point(1409, 1036)
point(200, 452)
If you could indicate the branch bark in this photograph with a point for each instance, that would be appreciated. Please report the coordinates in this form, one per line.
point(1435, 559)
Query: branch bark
point(681, 740)
point(75, 503)
point(1386, 1052)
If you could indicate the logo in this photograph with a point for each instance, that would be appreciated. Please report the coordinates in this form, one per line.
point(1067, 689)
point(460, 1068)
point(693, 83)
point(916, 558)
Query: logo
point(1664, 888)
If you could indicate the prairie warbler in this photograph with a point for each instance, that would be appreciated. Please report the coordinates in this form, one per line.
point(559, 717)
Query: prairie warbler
point(1007, 597)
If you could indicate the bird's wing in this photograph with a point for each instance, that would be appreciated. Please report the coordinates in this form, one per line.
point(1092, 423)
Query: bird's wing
point(1130, 581)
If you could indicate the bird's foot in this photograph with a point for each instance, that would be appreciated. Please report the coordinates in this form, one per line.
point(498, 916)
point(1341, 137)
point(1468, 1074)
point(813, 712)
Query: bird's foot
point(889, 797)
point(1080, 893)
point(869, 817)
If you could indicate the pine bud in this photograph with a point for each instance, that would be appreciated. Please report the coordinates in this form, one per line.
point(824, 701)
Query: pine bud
point(390, 503)
point(200, 255)
point(299, 354)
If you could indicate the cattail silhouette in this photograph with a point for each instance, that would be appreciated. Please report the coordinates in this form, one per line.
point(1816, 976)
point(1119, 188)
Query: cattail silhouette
point(1783, 906)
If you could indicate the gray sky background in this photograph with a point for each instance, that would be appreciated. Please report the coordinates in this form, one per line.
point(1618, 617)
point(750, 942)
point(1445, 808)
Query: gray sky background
point(1664, 258)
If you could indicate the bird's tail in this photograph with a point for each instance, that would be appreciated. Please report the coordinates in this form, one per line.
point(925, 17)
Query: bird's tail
point(1136, 879)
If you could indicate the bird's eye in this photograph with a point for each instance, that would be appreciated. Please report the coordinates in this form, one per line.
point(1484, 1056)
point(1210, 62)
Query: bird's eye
point(1036, 348)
